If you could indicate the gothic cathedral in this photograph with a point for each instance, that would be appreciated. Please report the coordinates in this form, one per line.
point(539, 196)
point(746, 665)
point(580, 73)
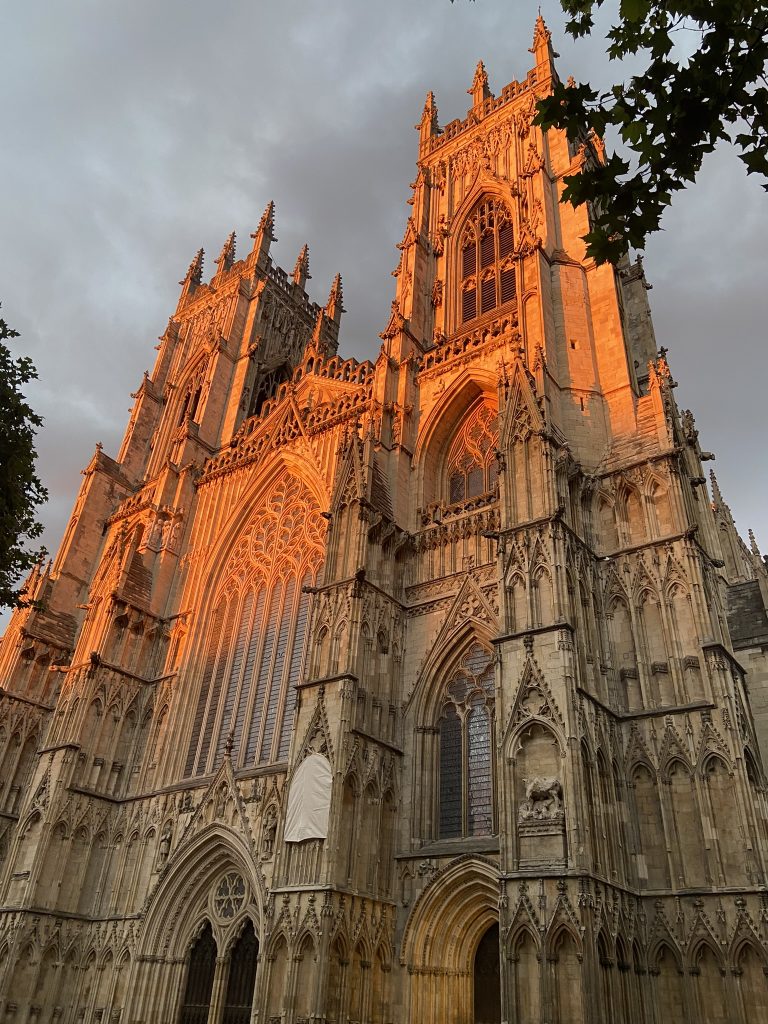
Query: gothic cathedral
point(410, 691)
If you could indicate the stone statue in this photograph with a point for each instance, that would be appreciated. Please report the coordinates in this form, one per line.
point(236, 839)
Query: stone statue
point(165, 845)
point(543, 799)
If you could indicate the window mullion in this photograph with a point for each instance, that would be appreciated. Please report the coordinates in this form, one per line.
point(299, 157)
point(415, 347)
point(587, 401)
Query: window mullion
point(464, 773)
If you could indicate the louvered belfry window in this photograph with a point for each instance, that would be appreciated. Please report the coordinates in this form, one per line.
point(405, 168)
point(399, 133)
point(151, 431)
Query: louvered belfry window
point(466, 767)
point(487, 260)
point(257, 634)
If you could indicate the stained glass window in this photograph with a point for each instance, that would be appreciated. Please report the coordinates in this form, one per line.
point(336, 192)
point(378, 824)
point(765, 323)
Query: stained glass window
point(450, 774)
point(211, 654)
point(197, 992)
point(487, 257)
point(229, 896)
point(467, 780)
point(242, 978)
point(257, 635)
point(472, 464)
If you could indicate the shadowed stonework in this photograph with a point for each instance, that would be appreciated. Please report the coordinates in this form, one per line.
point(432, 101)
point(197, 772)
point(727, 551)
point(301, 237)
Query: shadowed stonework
point(411, 690)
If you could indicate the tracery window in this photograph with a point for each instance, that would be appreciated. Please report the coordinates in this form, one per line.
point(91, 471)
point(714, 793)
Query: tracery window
point(487, 270)
point(257, 634)
point(229, 896)
point(472, 466)
point(466, 730)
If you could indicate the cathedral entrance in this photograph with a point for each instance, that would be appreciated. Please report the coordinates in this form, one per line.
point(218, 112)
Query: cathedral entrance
point(487, 981)
point(451, 947)
point(197, 994)
point(242, 978)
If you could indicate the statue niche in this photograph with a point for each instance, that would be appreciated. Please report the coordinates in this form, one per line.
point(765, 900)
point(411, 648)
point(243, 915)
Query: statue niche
point(540, 805)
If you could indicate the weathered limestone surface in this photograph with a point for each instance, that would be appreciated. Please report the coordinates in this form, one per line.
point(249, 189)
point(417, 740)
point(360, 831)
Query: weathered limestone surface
point(478, 580)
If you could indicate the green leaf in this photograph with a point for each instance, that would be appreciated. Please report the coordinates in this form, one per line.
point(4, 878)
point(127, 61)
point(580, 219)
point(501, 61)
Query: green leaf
point(634, 10)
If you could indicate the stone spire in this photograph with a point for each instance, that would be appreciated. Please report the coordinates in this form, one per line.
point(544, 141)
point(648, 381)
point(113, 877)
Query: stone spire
point(335, 305)
point(479, 90)
point(542, 49)
point(195, 271)
point(753, 544)
point(192, 278)
point(317, 343)
point(301, 272)
point(226, 257)
point(717, 496)
point(428, 126)
point(264, 235)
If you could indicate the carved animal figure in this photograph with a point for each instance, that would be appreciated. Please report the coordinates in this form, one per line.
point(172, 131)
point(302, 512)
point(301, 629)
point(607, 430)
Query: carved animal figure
point(543, 797)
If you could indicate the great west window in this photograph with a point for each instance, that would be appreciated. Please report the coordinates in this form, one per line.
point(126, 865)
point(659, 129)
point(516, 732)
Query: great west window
point(487, 260)
point(257, 634)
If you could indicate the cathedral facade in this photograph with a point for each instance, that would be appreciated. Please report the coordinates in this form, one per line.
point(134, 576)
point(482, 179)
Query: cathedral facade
point(405, 690)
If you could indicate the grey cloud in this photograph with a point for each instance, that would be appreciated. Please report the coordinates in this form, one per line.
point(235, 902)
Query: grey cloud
point(134, 132)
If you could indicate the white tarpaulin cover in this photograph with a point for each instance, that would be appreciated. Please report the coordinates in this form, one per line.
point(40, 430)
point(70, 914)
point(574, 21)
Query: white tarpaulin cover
point(309, 800)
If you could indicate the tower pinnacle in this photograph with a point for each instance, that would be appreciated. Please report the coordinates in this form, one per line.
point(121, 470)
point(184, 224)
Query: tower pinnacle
point(226, 257)
point(192, 278)
point(301, 272)
point(542, 49)
point(264, 234)
point(479, 90)
point(335, 305)
point(428, 126)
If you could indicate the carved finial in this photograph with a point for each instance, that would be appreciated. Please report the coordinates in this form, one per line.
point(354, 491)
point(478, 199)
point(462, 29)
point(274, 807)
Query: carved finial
point(226, 257)
point(540, 32)
point(230, 743)
point(428, 125)
point(335, 305)
point(753, 544)
point(301, 272)
point(479, 89)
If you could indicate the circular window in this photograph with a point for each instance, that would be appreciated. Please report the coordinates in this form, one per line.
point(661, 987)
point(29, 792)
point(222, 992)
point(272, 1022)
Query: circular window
point(229, 896)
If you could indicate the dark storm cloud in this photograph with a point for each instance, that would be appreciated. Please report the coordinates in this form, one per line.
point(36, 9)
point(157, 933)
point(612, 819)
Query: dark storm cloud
point(135, 132)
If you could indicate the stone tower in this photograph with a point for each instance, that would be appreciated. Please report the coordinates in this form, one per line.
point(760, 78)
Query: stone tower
point(403, 690)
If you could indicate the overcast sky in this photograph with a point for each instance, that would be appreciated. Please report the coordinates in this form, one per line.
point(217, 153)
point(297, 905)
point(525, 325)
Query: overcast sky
point(135, 131)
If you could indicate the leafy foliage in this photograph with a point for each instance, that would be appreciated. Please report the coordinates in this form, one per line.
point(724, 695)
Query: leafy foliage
point(669, 115)
point(20, 489)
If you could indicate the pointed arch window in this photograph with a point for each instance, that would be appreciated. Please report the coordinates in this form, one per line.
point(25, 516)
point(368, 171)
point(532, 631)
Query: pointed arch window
point(242, 977)
point(257, 636)
point(466, 731)
point(472, 466)
point(197, 993)
point(487, 260)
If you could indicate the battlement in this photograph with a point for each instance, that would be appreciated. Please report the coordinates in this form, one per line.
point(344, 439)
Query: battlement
point(489, 106)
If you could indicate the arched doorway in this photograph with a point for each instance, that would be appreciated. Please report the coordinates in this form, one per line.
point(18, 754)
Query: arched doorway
point(242, 978)
point(451, 947)
point(487, 980)
point(197, 992)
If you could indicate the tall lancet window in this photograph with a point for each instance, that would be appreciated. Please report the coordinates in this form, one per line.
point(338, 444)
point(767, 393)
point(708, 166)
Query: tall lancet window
point(466, 727)
point(487, 265)
point(257, 633)
point(472, 466)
